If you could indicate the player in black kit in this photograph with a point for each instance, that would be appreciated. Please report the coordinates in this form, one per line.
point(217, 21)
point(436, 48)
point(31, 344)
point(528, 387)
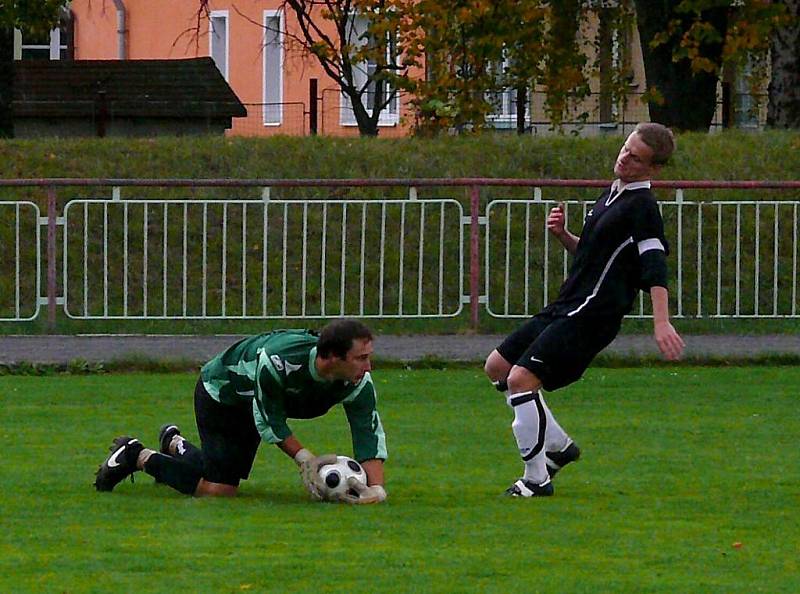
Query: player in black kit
point(620, 251)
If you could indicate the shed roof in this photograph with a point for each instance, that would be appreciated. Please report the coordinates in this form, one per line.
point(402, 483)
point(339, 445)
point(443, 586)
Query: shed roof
point(187, 88)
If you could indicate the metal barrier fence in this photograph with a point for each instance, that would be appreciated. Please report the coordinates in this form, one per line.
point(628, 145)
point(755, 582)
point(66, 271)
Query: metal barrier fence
point(204, 259)
point(385, 257)
point(727, 259)
point(20, 260)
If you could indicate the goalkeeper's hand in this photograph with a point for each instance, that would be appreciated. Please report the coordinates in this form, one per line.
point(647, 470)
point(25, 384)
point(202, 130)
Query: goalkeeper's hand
point(364, 494)
point(309, 472)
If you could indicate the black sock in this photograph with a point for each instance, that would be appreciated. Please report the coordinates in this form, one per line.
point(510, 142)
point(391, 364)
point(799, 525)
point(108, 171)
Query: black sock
point(190, 454)
point(174, 472)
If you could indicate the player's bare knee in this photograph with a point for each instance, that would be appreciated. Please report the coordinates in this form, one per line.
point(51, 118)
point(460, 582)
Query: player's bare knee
point(522, 380)
point(496, 367)
point(209, 489)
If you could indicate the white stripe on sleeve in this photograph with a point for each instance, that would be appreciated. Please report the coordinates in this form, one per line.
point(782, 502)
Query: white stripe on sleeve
point(650, 244)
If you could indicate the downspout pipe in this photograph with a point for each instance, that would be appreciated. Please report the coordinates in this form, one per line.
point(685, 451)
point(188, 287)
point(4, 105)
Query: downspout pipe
point(122, 44)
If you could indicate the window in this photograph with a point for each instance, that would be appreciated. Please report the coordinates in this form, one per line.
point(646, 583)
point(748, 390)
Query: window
point(273, 68)
point(218, 40)
point(56, 44)
point(375, 92)
point(504, 102)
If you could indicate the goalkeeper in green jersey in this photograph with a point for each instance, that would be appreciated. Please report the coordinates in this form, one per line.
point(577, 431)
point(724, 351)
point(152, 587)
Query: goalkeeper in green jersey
point(247, 394)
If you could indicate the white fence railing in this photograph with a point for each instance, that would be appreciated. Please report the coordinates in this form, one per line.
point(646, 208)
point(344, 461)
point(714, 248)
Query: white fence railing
point(727, 259)
point(20, 261)
point(151, 259)
point(204, 259)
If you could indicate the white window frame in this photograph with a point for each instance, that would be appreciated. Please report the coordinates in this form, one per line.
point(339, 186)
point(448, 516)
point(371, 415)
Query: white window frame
point(271, 14)
point(55, 46)
point(220, 14)
point(388, 117)
point(506, 115)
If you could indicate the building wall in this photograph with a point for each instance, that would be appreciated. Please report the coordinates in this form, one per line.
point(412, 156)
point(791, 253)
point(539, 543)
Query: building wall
point(169, 30)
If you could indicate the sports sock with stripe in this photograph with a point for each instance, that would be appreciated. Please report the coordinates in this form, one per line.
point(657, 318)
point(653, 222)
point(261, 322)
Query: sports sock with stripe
point(555, 438)
point(530, 427)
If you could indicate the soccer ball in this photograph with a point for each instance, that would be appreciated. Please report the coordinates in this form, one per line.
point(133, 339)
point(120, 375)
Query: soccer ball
point(335, 476)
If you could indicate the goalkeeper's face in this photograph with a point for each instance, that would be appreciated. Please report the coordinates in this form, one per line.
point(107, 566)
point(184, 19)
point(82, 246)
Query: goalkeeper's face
point(357, 362)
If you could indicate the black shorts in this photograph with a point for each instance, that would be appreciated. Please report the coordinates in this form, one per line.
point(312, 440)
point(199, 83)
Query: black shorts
point(228, 437)
point(558, 349)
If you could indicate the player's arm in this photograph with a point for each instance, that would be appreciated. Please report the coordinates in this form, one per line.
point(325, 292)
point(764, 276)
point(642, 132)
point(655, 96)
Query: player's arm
point(271, 422)
point(648, 233)
point(292, 447)
point(374, 470)
point(667, 338)
point(369, 443)
point(556, 224)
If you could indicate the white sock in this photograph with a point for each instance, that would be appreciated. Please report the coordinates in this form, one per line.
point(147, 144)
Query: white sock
point(176, 446)
point(555, 439)
point(144, 456)
point(529, 427)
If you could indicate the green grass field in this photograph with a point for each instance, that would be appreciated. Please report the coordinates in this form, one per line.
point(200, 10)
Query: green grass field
point(688, 483)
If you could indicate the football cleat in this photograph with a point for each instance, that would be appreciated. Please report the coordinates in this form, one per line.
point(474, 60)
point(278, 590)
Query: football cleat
point(523, 488)
point(165, 435)
point(120, 463)
point(558, 460)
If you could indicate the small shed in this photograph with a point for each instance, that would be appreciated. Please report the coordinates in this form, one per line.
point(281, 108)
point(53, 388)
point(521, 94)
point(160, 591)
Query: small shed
point(122, 98)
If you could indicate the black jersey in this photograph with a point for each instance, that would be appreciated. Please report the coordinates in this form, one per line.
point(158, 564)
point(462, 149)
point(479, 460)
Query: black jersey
point(621, 250)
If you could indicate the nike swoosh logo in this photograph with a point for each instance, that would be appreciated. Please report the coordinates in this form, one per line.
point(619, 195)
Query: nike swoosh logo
point(535, 360)
point(246, 393)
point(112, 461)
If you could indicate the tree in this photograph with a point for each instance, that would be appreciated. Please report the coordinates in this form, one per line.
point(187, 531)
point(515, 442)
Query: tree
point(681, 84)
point(30, 16)
point(690, 43)
point(6, 81)
point(459, 42)
point(367, 47)
point(476, 50)
point(784, 88)
point(360, 46)
point(470, 50)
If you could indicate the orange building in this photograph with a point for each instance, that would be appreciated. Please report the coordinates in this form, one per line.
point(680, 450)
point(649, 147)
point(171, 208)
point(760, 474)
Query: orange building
point(276, 86)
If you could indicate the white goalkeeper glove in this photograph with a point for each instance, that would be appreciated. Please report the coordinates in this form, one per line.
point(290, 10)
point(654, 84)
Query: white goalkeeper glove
point(365, 494)
point(309, 472)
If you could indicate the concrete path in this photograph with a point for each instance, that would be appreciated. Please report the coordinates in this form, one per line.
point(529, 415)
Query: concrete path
point(63, 349)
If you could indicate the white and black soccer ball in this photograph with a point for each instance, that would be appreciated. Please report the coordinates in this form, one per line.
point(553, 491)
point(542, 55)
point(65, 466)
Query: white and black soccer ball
point(335, 476)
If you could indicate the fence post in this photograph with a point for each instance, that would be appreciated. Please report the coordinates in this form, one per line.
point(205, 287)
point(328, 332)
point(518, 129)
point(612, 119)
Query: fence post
point(474, 255)
point(51, 258)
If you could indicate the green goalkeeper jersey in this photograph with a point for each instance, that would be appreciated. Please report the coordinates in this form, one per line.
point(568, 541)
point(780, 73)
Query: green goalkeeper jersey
point(277, 373)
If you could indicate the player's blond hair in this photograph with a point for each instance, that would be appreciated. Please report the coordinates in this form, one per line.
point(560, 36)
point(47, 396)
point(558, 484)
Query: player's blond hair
point(659, 138)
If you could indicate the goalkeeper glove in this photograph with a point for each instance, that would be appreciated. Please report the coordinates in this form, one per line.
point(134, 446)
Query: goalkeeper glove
point(309, 472)
point(365, 494)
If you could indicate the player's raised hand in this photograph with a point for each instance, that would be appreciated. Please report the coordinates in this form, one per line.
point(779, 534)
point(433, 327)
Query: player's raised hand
point(556, 220)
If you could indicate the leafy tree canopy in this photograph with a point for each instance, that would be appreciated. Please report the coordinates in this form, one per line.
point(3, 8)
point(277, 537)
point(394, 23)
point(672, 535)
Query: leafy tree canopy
point(35, 16)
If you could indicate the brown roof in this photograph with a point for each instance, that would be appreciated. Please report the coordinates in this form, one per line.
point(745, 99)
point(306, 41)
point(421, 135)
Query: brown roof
point(144, 88)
